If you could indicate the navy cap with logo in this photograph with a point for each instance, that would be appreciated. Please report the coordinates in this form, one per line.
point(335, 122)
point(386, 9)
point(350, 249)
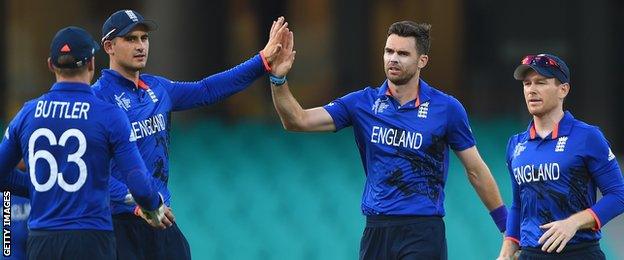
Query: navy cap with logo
point(122, 22)
point(547, 65)
point(74, 42)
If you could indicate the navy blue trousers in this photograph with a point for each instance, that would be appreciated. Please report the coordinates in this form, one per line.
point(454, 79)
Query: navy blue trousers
point(70, 245)
point(138, 240)
point(403, 238)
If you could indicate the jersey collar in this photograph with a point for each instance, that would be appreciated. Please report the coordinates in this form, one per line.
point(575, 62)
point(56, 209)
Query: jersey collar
point(121, 80)
point(424, 92)
point(71, 86)
point(561, 128)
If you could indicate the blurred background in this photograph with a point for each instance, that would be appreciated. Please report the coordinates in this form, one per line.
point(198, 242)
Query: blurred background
point(243, 188)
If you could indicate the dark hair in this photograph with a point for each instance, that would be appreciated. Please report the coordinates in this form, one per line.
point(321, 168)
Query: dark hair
point(69, 72)
point(420, 31)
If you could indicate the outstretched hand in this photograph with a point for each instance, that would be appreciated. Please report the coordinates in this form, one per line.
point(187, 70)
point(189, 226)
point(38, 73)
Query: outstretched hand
point(278, 31)
point(285, 58)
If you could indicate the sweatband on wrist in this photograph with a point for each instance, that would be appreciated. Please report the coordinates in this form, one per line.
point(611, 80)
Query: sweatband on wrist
point(277, 81)
point(265, 62)
point(499, 215)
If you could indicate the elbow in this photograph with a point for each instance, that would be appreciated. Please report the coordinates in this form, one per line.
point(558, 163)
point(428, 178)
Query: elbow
point(292, 127)
point(473, 176)
point(293, 124)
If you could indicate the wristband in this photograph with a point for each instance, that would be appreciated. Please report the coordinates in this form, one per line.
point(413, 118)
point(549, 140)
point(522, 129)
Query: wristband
point(265, 63)
point(499, 215)
point(277, 81)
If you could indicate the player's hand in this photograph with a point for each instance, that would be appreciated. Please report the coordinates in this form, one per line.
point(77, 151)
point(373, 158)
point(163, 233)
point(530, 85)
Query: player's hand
point(165, 222)
point(285, 59)
point(160, 218)
point(169, 217)
point(509, 250)
point(275, 44)
point(155, 218)
point(557, 235)
point(515, 256)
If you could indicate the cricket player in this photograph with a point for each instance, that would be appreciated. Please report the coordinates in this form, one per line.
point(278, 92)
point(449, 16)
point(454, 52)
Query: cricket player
point(403, 129)
point(67, 138)
point(555, 167)
point(148, 101)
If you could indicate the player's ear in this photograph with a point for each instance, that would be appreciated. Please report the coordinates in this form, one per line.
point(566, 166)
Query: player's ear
point(422, 61)
point(108, 46)
point(564, 90)
point(50, 67)
point(91, 65)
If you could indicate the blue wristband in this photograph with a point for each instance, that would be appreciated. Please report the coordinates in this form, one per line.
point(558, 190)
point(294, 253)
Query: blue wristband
point(499, 215)
point(277, 81)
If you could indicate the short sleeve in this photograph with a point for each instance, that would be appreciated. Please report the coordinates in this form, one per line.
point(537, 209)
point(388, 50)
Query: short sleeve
point(340, 109)
point(458, 133)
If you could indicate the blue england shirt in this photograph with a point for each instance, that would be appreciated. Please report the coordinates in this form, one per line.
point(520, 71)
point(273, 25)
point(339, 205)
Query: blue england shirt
point(67, 138)
point(148, 106)
point(557, 176)
point(404, 149)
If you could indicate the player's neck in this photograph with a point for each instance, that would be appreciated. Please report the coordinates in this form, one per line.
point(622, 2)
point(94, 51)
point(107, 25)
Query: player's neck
point(85, 79)
point(545, 124)
point(406, 92)
point(131, 75)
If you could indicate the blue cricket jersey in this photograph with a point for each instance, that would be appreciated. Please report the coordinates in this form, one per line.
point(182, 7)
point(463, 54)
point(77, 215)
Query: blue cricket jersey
point(67, 138)
point(404, 149)
point(148, 106)
point(555, 177)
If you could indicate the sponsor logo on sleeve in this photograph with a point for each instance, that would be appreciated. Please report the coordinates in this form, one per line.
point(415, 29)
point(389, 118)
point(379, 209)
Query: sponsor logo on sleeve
point(611, 155)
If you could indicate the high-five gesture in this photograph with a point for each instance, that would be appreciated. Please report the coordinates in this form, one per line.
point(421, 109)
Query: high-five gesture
point(279, 30)
point(284, 60)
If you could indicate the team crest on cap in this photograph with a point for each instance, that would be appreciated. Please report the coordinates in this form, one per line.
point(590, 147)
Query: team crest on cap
point(132, 16)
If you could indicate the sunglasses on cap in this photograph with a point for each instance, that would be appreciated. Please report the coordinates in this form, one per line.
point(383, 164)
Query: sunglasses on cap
point(541, 60)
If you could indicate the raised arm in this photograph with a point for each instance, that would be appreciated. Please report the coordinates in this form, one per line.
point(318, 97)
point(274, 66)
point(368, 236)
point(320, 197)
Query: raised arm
point(292, 115)
point(214, 88)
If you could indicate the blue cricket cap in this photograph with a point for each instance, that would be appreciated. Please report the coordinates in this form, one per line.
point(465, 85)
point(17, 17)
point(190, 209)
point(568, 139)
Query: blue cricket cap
point(122, 22)
point(547, 65)
point(75, 42)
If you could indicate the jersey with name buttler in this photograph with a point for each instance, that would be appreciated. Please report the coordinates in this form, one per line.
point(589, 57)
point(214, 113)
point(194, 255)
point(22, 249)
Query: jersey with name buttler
point(557, 176)
point(67, 138)
point(404, 148)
